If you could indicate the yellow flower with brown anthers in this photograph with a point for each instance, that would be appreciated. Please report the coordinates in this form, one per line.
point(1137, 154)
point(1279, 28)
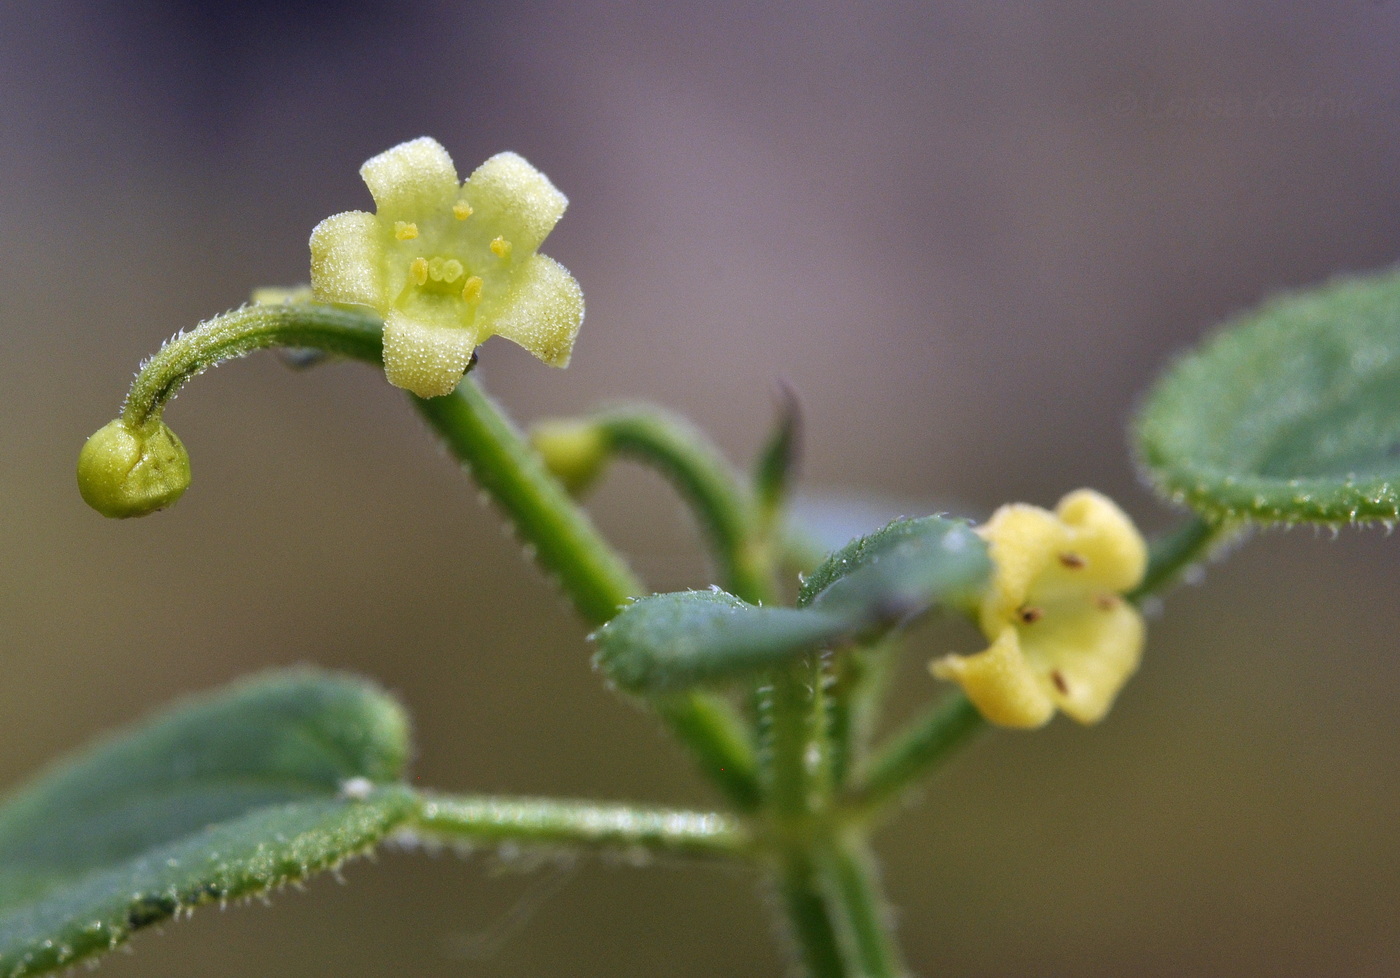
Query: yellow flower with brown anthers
point(1062, 636)
point(449, 264)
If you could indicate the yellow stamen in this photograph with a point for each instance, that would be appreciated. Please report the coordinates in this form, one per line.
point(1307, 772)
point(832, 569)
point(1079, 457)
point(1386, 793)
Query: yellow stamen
point(419, 271)
point(461, 210)
point(471, 291)
point(405, 230)
point(451, 270)
point(501, 247)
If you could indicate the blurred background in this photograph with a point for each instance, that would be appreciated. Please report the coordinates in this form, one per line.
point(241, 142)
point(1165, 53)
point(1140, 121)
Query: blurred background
point(969, 235)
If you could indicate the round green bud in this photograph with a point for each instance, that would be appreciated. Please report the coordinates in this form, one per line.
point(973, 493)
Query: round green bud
point(132, 471)
point(573, 451)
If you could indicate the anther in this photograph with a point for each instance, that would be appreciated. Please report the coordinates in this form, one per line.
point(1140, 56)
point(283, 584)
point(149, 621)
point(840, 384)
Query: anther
point(501, 247)
point(419, 271)
point(461, 210)
point(451, 270)
point(435, 269)
point(1030, 615)
point(1072, 561)
point(405, 230)
point(471, 291)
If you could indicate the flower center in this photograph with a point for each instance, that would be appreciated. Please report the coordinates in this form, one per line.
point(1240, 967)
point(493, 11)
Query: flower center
point(442, 276)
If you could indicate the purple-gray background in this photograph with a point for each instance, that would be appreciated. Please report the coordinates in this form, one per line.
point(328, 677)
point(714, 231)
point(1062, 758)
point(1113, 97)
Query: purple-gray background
point(968, 234)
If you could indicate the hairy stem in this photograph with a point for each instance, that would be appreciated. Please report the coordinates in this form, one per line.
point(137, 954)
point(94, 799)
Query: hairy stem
point(586, 825)
point(1174, 552)
point(915, 751)
point(807, 913)
point(723, 506)
point(862, 918)
point(241, 331)
point(566, 543)
point(564, 540)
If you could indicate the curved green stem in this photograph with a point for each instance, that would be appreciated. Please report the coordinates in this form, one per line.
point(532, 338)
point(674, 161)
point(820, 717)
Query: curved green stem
point(552, 823)
point(724, 507)
point(241, 331)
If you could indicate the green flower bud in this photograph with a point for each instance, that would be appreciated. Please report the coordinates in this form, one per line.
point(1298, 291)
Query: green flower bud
point(573, 451)
point(132, 471)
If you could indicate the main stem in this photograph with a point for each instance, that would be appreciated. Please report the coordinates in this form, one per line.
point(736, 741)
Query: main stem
point(566, 543)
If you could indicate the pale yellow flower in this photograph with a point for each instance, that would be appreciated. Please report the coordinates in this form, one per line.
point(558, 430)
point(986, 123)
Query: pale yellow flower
point(1062, 635)
point(448, 265)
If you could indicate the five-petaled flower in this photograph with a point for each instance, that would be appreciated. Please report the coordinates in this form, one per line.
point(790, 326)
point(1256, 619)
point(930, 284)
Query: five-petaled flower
point(1062, 635)
point(448, 265)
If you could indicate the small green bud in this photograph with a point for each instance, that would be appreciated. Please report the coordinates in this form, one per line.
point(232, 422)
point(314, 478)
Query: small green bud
point(574, 451)
point(132, 471)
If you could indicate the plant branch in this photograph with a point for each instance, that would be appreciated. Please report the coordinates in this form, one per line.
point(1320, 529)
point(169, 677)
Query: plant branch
point(914, 751)
point(567, 544)
point(862, 918)
point(806, 911)
point(578, 824)
point(1174, 552)
point(241, 331)
point(724, 507)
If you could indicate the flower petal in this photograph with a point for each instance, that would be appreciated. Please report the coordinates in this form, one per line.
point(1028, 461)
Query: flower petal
point(412, 180)
point(426, 351)
point(1084, 655)
point(1023, 541)
point(543, 311)
point(347, 260)
point(1114, 551)
point(515, 200)
point(1000, 683)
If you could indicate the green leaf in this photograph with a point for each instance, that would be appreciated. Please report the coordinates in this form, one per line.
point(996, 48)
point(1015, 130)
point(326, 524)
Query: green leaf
point(1290, 414)
point(900, 570)
point(776, 468)
point(228, 795)
point(670, 642)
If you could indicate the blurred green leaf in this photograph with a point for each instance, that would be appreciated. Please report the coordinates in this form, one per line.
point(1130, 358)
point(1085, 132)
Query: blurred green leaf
point(900, 570)
point(670, 642)
point(1291, 414)
point(777, 463)
point(228, 795)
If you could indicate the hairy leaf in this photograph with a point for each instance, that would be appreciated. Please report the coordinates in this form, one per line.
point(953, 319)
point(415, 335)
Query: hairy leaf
point(1290, 414)
point(901, 570)
point(675, 641)
point(227, 795)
